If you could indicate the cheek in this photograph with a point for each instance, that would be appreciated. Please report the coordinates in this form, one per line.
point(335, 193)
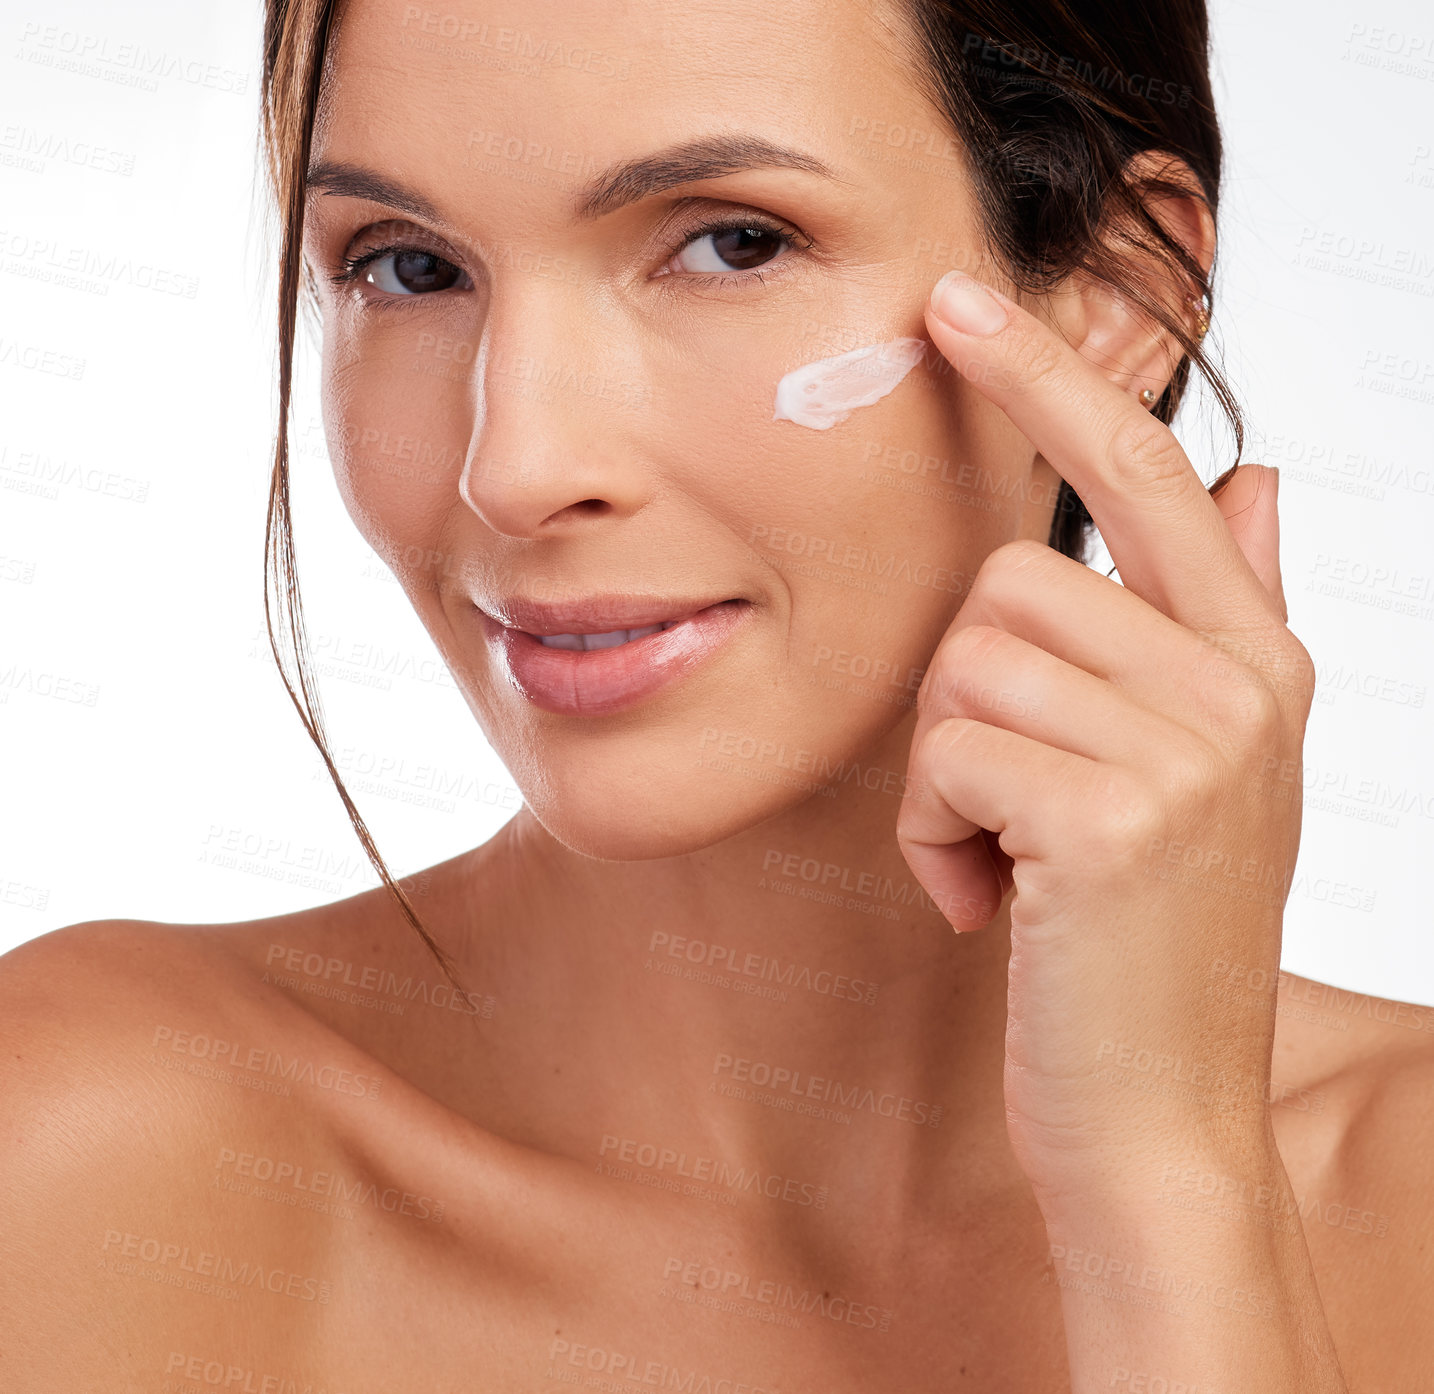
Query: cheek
point(884, 515)
point(871, 526)
point(397, 421)
point(870, 529)
point(823, 394)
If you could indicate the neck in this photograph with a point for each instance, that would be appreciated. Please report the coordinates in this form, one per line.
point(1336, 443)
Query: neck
point(788, 999)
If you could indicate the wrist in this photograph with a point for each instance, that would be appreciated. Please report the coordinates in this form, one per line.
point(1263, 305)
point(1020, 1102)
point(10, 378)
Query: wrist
point(1146, 1182)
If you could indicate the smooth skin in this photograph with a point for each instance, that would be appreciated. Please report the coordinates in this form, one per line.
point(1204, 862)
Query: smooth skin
point(1146, 722)
point(564, 1183)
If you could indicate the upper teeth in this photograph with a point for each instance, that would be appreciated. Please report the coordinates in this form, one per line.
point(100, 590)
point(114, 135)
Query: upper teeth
point(600, 641)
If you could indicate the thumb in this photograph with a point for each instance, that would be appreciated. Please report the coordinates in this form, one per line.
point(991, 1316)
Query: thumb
point(1248, 505)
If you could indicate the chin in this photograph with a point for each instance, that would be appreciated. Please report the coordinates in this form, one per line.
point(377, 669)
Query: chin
point(671, 813)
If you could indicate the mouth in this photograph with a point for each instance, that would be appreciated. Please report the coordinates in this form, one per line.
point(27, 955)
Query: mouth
point(612, 639)
point(581, 660)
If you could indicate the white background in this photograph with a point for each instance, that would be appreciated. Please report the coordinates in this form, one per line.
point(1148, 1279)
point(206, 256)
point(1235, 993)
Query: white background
point(144, 728)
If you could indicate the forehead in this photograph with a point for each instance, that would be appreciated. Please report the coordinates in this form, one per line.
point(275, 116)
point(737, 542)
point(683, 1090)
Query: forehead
point(551, 91)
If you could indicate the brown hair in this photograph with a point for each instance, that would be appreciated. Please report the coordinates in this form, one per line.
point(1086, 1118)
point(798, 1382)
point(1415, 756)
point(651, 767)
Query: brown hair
point(1052, 100)
point(1053, 103)
point(296, 40)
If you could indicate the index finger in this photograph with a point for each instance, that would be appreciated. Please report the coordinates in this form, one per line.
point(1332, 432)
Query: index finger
point(1164, 532)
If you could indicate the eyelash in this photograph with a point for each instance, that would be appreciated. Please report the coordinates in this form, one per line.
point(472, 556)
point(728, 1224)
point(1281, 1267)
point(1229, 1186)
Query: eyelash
point(794, 239)
point(353, 267)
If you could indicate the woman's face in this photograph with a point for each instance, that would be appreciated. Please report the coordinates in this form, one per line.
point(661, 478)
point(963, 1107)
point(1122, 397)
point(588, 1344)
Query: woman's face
point(532, 401)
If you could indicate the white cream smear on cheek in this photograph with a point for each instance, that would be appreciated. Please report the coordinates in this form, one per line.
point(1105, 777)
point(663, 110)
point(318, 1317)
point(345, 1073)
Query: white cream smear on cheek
point(826, 392)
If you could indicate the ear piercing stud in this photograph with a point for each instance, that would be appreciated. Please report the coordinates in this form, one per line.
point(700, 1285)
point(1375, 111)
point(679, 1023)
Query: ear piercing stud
point(1202, 316)
point(1149, 396)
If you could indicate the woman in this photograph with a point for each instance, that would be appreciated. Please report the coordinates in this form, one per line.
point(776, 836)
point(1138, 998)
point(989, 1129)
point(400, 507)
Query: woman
point(877, 988)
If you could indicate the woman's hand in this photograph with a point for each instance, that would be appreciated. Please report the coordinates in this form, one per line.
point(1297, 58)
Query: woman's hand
point(1134, 754)
point(1130, 757)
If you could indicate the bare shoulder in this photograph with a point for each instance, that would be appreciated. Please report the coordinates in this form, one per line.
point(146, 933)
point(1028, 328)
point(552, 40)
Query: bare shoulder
point(135, 1058)
point(1379, 1081)
point(121, 989)
point(105, 988)
point(153, 1014)
point(1346, 1050)
point(1361, 1159)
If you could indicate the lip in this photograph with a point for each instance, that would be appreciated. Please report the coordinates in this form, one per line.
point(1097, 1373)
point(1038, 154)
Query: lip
point(596, 614)
point(597, 682)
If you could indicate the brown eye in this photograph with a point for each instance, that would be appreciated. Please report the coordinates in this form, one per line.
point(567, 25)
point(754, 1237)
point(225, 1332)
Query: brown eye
point(411, 271)
point(731, 249)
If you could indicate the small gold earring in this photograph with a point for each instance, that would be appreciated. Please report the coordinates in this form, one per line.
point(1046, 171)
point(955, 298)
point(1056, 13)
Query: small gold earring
point(1149, 397)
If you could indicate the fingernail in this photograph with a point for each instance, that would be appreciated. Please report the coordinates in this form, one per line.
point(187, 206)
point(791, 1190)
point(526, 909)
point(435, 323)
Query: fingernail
point(966, 305)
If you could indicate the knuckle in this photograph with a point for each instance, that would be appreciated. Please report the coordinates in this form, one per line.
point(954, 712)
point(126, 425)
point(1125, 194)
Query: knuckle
point(1144, 452)
point(974, 641)
point(1036, 360)
point(1264, 678)
point(961, 654)
point(1298, 671)
point(966, 649)
point(1005, 566)
point(1190, 772)
point(1250, 711)
point(946, 737)
point(1017, 554)
point(940, 678)
point(1118, 823)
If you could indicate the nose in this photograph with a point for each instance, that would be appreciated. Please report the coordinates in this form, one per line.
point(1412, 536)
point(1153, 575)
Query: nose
point(556, 434)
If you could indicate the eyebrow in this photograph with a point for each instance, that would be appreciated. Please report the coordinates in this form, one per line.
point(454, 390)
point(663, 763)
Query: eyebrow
point(343, 180)
point(627, 181)
point(707, 157)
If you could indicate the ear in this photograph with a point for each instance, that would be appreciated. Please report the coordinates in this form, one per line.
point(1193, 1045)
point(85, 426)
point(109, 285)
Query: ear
point(1111, 328)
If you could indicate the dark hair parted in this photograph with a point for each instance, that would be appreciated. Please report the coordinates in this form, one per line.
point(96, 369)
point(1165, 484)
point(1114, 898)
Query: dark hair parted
point(1054, 103)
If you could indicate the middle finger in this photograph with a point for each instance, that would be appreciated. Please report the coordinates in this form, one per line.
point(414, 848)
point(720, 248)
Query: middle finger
point(1098, 625)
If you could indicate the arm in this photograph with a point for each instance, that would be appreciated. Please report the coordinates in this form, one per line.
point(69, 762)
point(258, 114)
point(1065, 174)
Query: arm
point(1219, 1303)
point(1162, 715)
